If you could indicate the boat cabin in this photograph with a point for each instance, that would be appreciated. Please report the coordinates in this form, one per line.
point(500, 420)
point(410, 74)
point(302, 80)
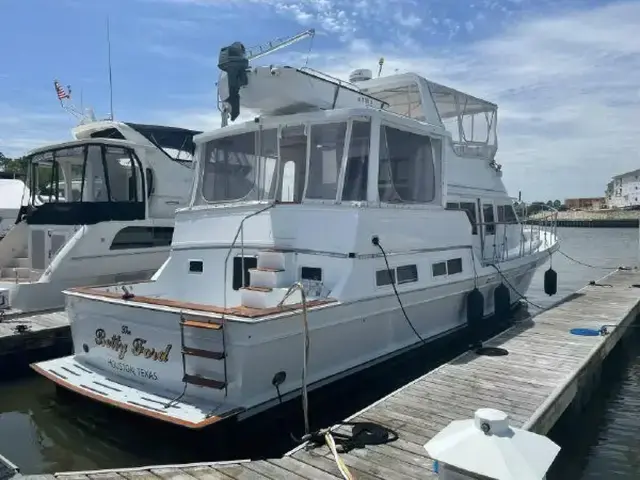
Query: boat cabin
point(330, 157)
point(98, 200)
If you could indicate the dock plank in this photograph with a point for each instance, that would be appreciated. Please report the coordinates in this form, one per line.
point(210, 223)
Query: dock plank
point(544, 370)
point(205, 473)
point(24, 335)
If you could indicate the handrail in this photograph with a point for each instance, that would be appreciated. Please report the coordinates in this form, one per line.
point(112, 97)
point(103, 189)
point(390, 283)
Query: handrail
point(224, 287)
point(501, 231)
point(233, 243)
point(305, 351)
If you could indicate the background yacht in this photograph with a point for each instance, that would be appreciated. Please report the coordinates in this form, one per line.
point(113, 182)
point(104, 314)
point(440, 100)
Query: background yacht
point(101, 210)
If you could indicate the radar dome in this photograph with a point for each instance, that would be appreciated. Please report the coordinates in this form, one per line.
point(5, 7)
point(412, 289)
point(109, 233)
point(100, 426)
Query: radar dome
point(360, 75)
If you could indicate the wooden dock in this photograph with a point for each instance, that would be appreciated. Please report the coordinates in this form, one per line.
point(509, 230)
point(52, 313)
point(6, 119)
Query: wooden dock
point(25, 338)
point(547, 370)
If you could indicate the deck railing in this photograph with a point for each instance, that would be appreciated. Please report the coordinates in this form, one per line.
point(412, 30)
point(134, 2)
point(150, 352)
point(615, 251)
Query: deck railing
point(497, 242)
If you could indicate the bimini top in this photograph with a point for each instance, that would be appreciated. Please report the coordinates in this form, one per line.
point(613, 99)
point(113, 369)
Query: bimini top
point(450, 102)
point(116, 142)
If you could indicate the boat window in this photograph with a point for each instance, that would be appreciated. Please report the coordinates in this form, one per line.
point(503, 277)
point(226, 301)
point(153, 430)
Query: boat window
point(489, 219)
point(510, 214)
point(239, 167)
point(125, 180)
point(196, 266)
point(142, 237)
point(108, 133)
point(268, 142)
point(176, 143)
point(356, 173)
point(95, 185)
point(450, 267)
point(439, 269)
point(454, 266)
point(406, 172)
point(385, 277)
point(311, 273)
point(325, 158)
point(407, 274)
point(293, 162)
point(470, 209)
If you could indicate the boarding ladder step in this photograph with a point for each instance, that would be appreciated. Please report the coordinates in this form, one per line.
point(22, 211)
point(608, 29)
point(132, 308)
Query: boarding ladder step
point(197, 352)
point(204, 381)
point(188, 351)
point(199, 324)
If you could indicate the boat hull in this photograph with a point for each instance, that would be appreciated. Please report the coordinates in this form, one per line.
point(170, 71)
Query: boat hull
point(344, 338)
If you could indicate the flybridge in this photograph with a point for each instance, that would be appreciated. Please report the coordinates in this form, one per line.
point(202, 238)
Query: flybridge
point(283, 90)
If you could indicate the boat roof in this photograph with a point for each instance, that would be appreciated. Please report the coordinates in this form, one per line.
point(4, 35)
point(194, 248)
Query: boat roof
point(627, 174)
point(318, 116)
point(447, 99)
point(84, 141)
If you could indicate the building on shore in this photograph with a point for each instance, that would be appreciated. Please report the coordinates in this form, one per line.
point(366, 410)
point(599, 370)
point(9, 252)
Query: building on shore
point(591, 203)
point(623, 190)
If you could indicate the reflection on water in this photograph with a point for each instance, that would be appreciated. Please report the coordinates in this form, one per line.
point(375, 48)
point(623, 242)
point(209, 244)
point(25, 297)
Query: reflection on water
point(44, 432)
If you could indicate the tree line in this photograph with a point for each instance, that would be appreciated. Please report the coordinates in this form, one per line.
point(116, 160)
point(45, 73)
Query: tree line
point(13, 166)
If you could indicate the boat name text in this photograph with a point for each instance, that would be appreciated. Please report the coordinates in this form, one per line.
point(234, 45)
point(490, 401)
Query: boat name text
point(137, 347)
point(133, 371)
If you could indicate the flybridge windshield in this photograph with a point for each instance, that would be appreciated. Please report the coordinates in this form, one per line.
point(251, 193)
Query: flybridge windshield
point(177, 143)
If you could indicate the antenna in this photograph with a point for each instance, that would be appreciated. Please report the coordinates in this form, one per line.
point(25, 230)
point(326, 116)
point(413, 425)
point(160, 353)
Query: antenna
point(110, 78)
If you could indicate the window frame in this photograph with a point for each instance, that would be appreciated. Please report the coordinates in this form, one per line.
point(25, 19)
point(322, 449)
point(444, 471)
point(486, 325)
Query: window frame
point(489, 227)
point(140, 228)
point(393, 272)
point(445, 263)
point(84, 146)
point(436, 169)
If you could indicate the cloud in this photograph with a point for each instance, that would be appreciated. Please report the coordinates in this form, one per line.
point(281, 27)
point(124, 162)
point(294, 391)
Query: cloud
point(21, 131)
point(567, 87)
point(565, 76)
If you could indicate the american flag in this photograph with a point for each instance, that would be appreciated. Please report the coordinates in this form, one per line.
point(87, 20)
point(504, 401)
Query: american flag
point(60, 91)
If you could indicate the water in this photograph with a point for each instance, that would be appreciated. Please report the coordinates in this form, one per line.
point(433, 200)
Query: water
point(44, 432)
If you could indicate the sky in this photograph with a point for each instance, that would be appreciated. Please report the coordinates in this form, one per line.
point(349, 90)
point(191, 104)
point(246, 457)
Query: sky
point(564, 73)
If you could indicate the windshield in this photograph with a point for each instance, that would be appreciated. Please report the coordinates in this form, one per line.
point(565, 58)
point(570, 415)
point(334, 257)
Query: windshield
point(288, 164)
point(177, 143)
point(239, 167)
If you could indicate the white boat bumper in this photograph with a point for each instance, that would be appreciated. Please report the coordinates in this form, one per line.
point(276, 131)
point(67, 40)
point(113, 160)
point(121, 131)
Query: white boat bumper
point(95, 384)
